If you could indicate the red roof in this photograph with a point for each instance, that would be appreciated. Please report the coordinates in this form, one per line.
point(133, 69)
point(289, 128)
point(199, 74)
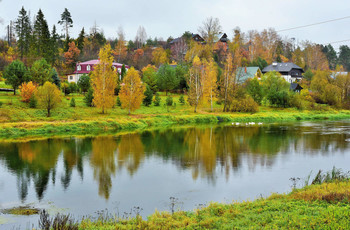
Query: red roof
point(91, 63)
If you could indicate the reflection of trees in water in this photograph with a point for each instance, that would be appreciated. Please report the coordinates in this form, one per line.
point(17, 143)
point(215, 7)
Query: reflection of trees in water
point(204, 151)
point(36, 160)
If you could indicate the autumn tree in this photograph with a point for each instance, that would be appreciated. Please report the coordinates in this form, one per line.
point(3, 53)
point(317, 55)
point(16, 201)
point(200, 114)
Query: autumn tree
point(71, 56)
point(120, 51)
point(104, 79)
point(132, 91)
point(141, 37)
point(210, 30)
point(210, 83)
point(227, 81)
point(159, 56)
point(195, 82)
point(26, 90)
point(15, 74)
point(48, 97)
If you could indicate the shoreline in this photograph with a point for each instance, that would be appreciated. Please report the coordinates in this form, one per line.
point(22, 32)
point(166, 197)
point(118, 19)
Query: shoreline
point(18, 130)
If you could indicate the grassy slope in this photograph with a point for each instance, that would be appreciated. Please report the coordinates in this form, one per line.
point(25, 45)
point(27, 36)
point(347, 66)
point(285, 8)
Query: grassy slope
point(324, 206)
point(17, 119)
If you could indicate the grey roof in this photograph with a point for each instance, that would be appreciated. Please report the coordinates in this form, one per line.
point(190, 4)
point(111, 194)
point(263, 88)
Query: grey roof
point(281, 67)
point(295, 86)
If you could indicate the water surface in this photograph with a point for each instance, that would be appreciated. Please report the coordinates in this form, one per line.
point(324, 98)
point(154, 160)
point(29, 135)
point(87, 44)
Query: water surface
point(196, 165)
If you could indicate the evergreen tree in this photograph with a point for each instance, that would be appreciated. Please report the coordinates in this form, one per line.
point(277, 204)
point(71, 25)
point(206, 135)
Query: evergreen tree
point(331, 55)
point(72, 102)
point(344, 56)
point(147, 101)
point(54, 77)
point(80, 40)
point(23, 30)
point(54, 44)
point(66, 21)
point(89, 97)
point(15, 74)
point(41, 35)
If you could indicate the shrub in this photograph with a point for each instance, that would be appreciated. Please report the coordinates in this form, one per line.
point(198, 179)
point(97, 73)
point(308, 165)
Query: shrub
point(182, 100)
point(72, 102)
point(246, 104)
point(169, 101)
point(32, 102)
point(0, 104)
point(157, 100)
point(73, 87)
point(27, 90)
point(89, 97)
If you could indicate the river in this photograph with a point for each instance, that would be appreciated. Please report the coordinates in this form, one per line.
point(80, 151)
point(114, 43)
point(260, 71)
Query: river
point(115, 174)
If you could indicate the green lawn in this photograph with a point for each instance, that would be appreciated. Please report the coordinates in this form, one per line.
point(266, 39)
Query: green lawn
point(324, 206)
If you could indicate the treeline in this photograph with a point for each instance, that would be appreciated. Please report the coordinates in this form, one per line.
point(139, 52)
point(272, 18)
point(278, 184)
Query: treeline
point(32, 40)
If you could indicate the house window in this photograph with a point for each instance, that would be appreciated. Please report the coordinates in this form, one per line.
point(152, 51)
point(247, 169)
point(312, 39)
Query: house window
point(71, 77)
point(88, 68)
point(78, 67)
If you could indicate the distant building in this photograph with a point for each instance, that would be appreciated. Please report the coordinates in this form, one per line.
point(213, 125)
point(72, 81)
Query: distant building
point(289, 71)
point(295, 87)
point(82, 68)
point(244, 73)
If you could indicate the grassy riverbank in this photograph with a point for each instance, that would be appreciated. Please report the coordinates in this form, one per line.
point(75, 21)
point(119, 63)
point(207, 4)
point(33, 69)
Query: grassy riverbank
point(18, 120)
point(323, 206)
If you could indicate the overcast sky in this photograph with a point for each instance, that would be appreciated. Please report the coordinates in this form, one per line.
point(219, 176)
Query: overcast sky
point(164, 18)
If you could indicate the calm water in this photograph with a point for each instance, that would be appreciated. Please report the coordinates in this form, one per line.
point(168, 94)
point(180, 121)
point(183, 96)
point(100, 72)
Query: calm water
point(196, 165)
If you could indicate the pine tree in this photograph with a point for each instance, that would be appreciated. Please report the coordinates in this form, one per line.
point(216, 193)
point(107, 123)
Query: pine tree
point(80, 40)
point(147, 101)
point(66, 21)
point(23, 30)
point(41, 35)
point(53, 51)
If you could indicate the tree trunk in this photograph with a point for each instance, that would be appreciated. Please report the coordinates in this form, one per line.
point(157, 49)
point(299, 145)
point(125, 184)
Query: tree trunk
point(14, 91)
point(48, 112)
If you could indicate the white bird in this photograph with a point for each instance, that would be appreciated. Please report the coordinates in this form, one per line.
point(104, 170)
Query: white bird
point(260, 123)
point(237, 123)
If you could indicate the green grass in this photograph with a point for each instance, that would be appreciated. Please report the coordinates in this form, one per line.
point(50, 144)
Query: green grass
point(292, 211)
point(18, 120)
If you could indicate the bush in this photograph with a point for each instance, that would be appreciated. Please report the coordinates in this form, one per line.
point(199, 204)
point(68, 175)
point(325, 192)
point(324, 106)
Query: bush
point(119, 103)
point(32, 102)
point(157, 100)
point(279, 98)
point(0, 104)
point(296, 101)
point(27, 91)
point(72, 102)
point(73, 87)
point(182, 100)
point(89, 97)
point(246, 104)
point(169, 101)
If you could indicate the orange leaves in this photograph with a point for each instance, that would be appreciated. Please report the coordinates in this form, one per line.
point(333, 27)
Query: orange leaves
point(131, 92)
point(103, 79)
point(138, 54)
point(27, 90)
point(72, 54)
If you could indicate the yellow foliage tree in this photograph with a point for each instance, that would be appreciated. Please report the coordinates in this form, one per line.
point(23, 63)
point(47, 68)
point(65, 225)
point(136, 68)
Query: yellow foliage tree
point(104, 80)
point(210, 83)
point(48, 97)
point(27, 90)
point(195, 83)
point(132, 89)
point(160, 56)
point(120, 50)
